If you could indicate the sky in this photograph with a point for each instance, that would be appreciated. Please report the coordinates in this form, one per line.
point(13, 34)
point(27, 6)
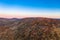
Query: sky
point(29, 8)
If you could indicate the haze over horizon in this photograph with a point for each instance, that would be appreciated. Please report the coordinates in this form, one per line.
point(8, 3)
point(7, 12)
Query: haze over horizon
point(29, 8)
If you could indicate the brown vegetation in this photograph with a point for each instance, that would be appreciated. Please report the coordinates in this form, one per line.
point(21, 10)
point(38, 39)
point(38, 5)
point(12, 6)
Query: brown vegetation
point(30, 29)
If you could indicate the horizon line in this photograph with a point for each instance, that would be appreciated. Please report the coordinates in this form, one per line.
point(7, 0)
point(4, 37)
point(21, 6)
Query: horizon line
point(31, 17)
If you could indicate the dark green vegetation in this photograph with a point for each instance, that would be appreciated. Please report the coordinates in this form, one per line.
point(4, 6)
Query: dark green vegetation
point(30, 29)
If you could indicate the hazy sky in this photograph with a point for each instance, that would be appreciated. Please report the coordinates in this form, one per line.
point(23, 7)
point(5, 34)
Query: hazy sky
point(30, 8)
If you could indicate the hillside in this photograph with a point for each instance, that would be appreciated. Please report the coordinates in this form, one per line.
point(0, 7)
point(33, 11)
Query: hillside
point(30, 29)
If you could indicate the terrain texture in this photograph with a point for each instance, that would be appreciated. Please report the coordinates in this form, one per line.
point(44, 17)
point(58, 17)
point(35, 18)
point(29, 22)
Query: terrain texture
point(29, 29)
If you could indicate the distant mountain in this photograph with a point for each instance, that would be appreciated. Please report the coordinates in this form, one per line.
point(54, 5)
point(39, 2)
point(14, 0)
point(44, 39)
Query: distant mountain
point(37, 28)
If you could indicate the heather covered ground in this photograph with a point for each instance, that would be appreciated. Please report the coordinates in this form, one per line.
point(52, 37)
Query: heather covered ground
point(30, 29)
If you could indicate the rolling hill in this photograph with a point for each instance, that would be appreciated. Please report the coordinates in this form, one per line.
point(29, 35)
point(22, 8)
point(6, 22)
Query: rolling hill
point(35, 28)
